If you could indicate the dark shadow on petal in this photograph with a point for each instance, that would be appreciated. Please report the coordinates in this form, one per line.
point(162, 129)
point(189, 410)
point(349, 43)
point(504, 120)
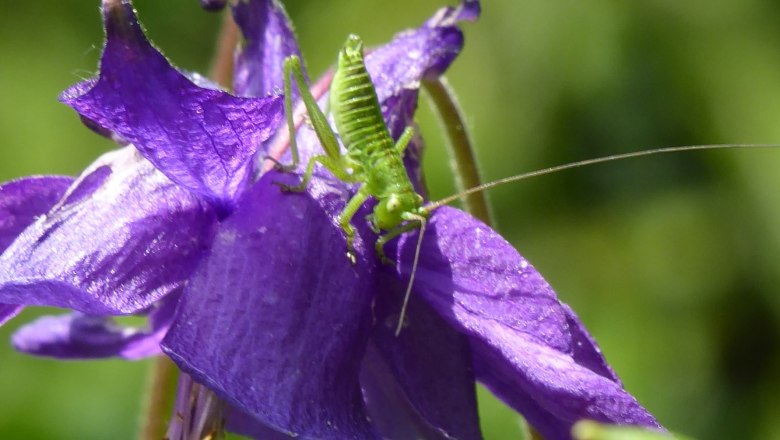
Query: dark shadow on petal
point(391, 413)
point(242, 423)
point(430, 365)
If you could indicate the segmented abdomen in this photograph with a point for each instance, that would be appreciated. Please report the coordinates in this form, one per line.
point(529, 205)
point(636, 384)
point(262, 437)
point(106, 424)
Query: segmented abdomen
point(357, 113)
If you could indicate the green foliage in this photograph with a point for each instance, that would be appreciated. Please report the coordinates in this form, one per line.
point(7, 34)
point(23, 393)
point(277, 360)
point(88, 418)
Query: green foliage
point(588, 430)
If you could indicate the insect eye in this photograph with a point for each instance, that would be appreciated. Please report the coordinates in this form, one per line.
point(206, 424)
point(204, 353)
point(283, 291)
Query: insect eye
point(393, 203)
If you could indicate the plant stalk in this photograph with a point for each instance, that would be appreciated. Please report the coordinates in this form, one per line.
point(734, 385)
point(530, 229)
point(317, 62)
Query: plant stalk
point(463, 159)
point(160, 390)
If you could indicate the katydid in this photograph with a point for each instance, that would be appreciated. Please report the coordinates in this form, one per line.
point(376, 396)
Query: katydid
point(375, 162)
point(373, 159)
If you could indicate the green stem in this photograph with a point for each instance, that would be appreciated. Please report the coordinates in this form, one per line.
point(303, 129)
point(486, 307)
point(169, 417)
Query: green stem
point(160, 392)
point(464, 164)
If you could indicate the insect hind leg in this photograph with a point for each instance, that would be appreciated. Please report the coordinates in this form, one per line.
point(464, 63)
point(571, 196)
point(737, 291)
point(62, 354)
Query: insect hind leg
point(293, 70)
point(334, 166)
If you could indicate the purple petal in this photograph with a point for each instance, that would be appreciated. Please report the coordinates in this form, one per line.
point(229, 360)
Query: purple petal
point(398, 67)
point(24, 200)
point(529, 349)
point(431, 364)
point(79, 336)
point(276, 319)
point(269, 39)
point(8, 311)
point(123, 237)
point(202, 139)
point(21, 202)
point(585, 351)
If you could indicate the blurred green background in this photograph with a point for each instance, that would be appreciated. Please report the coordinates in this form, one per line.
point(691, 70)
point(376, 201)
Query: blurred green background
point(670, 261)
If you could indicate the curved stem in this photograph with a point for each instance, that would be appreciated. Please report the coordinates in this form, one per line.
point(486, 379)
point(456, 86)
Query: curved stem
point(463, 161)
point(160, 390)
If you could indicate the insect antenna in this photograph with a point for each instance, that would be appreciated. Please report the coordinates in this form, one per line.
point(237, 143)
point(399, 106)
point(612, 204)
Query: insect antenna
point(485, 186)
point(408, 293)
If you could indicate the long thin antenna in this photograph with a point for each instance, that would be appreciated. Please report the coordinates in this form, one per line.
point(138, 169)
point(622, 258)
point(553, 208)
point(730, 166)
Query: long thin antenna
point(408, 293)
point(433, 205)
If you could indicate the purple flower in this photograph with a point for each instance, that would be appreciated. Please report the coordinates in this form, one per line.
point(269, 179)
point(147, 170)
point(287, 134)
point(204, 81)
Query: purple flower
point(250, 287)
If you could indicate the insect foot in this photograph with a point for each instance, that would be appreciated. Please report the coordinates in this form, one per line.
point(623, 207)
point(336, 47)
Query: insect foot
point(380, 251)
point(290, 188)
point(372, 224)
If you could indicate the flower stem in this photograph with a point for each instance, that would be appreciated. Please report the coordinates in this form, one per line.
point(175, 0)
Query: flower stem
point(222, 63)
point(160, 391)
point(464, 163)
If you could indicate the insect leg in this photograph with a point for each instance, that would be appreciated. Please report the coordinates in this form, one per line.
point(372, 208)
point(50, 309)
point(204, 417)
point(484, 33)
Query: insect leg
point(403, 141)
point(332, 165)
point(345, 218)
point(292, 68)
point(383, 239)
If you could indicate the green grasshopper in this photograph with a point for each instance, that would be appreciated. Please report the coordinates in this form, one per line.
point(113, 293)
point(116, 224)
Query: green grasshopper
point(375, 162)
point(373, 159)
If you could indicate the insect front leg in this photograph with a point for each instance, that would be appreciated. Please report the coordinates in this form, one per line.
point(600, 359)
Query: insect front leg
point(325, 134)
point(383, 239)
point(345, 218)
